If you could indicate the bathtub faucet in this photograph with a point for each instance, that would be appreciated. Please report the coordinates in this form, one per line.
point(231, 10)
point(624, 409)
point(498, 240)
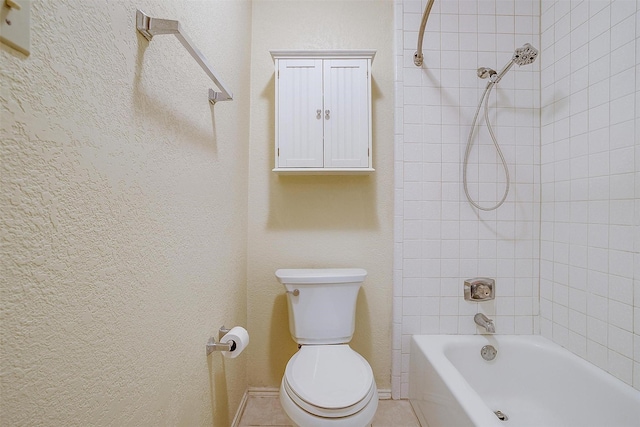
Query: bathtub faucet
point(485, 322)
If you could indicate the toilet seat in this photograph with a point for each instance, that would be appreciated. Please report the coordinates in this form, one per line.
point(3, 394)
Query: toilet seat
point(329, 380)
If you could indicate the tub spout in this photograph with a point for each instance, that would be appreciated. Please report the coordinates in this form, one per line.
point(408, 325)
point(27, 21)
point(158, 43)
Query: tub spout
point(485, 322)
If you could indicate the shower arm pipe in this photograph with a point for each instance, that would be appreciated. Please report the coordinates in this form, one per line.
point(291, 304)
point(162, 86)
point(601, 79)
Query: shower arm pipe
point(418, 57)
point(149, 27)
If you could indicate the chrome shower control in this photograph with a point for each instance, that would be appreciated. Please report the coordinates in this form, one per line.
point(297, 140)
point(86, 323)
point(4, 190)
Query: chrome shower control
point(479, 289)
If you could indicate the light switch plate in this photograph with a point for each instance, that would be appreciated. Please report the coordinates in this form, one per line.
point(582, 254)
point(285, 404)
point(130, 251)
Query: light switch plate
point(14, 25)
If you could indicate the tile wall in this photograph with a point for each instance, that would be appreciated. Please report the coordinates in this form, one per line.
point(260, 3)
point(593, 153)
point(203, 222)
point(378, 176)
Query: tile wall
point(565, 247)
point(439, 239)
point(590, 162)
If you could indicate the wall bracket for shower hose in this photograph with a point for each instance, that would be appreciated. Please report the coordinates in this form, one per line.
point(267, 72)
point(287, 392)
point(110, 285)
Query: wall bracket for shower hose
point(149, 27)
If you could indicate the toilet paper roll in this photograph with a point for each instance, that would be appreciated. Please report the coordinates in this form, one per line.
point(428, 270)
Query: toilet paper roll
point(240, 336)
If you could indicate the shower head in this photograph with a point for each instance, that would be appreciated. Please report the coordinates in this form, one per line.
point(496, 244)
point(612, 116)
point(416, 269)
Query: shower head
point(525, 55)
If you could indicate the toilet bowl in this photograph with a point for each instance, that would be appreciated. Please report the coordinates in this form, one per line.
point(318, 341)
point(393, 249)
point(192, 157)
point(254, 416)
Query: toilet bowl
point(326, 383)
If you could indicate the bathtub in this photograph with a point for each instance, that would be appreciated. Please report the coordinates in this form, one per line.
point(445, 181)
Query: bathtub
point(532, 382)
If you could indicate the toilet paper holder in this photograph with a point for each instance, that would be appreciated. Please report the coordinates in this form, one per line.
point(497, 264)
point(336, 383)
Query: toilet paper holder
point(212, 345)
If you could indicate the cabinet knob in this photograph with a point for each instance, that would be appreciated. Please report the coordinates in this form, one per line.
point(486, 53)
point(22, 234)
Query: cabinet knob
point(318, 114)
point(326, 114)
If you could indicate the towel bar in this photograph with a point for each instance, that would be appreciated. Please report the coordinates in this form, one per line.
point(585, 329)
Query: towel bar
point(149, 27)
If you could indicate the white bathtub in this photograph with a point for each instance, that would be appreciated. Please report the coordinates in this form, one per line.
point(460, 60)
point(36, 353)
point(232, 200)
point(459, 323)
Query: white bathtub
point(533, 381)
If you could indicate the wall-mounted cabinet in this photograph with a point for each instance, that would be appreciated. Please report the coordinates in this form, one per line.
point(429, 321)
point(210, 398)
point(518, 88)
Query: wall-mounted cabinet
point(323, 111)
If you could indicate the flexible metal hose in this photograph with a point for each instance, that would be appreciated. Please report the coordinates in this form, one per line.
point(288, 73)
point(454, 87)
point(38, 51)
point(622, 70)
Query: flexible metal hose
point(485, 97)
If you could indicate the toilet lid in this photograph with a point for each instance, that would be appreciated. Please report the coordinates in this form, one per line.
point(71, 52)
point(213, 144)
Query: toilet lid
point(331, 377)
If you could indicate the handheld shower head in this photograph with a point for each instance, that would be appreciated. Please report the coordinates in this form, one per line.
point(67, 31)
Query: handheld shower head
point(525, 55)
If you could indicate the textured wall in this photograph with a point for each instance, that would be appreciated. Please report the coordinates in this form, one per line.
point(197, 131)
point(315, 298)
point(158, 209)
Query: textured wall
point(123, 217)
point(319, 221)
point(441, 240)
point(590, 235)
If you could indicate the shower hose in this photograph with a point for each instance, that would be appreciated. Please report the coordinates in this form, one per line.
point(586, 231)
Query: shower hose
point(485, 98)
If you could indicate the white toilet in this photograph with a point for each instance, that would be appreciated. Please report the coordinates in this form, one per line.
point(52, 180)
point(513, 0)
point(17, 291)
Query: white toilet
point(326, 383)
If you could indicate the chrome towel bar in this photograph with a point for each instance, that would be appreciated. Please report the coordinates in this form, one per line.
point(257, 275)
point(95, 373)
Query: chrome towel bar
point(149, 27)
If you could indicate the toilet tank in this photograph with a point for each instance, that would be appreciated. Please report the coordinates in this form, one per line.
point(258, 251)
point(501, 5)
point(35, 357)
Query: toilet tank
point(324, 309)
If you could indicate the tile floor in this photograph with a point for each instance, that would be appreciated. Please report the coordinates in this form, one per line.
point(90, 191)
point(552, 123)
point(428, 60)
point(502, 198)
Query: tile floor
point(266, 411)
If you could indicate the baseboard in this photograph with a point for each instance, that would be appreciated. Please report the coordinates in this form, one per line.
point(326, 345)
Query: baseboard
point(263, 391)
point(255, 392)
point(241, 408)
point(383, 394)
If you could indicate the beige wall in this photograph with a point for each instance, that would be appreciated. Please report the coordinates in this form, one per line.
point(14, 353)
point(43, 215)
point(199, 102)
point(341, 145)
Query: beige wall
point(319, 221)
point(123, 217)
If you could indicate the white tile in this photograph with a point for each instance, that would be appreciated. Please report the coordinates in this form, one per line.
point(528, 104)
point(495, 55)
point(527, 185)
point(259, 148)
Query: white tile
point(526, 7)
point(622, 83)
point(598, 190)
point(621, 9)
point(410, 325)
point(597, 354)
point(448, 325)
point(449, 23)
point(622, 58)
point(620, 366)
point(562, 8)
point(577, 344)
point(597, 309)
point(622, 186)
point(578, 300)
point(430, 324)
point(621, 315)
point(599, 117)
point(579, 56)
point(486, 24)
point(579, 14)
point(621, 289)
point(599, 68)
point(599, 23)
point(597, 331)
point(599, 164)
point(623, 32)
point(621, 263)
point(562, 26)
point(560, 334)
point(622, 109)
point(598, 93)
point(547, 18)
point(621, 237)
point(578, 323)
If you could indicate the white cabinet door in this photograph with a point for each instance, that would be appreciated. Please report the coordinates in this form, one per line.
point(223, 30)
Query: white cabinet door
point(346, 113)
point(300, 116)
